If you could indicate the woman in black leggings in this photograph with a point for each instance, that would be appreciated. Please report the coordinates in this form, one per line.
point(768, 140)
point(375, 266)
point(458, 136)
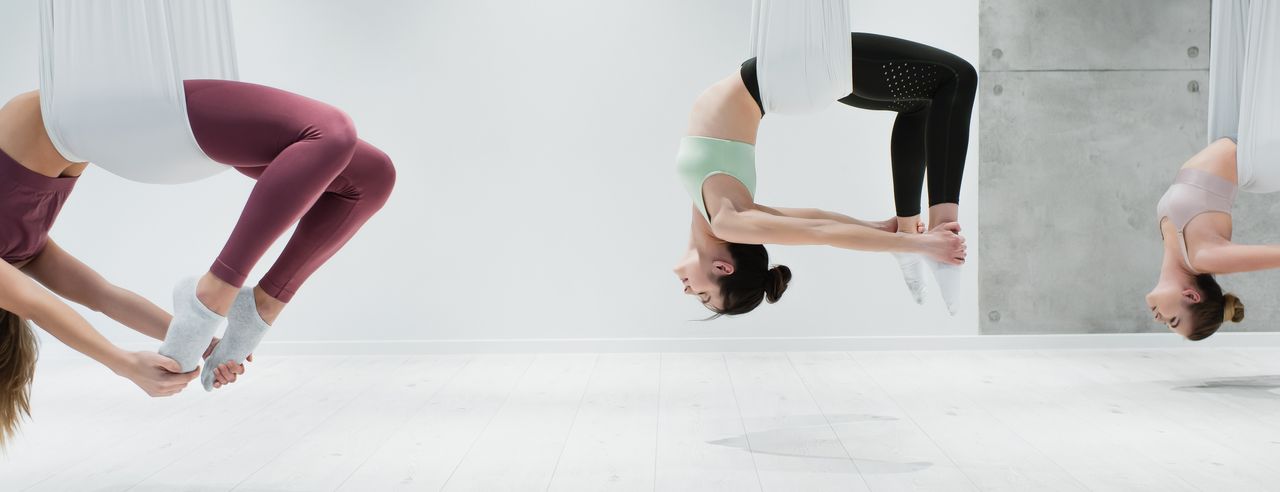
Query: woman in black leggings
point(727, 266)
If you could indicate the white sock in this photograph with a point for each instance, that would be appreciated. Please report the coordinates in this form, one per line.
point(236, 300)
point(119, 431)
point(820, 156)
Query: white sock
point(245, 329)
point(912, 266)
point(948, 278)
point(192, 326)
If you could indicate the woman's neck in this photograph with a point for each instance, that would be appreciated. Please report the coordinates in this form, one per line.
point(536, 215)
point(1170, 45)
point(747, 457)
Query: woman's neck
point(1173, 268)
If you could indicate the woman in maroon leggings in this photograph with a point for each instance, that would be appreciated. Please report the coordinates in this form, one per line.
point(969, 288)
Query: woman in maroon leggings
point(311, 170)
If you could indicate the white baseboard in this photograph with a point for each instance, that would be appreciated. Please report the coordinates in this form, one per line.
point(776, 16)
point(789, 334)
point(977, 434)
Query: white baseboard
point(756, 344)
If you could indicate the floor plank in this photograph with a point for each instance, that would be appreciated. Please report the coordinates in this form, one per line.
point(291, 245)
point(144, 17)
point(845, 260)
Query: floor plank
point(985, 450)
point(332, 451)
point(892, 452)
point(240, 451)
point(612, 443)
point(697, 415)
point(425, 449)
point(794, 445)
point(519, 448)
point(1194, 434)
point(1068, 420)
point(81, 420)
point(1057, 412)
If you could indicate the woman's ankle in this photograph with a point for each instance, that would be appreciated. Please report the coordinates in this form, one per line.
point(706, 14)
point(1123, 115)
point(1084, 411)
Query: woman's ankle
point(269, 308)
point(943, 213)
point(909, 225)
point(215, 294)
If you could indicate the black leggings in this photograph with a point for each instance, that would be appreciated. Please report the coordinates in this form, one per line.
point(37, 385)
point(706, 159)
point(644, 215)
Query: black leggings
point(932, 91)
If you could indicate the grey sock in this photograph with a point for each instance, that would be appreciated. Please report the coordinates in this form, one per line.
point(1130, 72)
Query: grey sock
point(245, 329)
point(192, 327)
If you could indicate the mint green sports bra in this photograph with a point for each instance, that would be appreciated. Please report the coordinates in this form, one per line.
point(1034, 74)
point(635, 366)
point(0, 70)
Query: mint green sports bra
point(700, 158)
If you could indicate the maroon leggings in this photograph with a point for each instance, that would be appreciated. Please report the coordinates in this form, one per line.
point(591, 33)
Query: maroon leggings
point(311, 170)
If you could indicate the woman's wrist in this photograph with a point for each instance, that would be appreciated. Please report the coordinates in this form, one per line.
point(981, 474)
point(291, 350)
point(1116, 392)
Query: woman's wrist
point(908, 243)
point(117, 359)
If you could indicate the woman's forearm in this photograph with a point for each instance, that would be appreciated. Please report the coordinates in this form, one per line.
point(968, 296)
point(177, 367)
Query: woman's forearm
point(866, 238)
point(815, 213)
point(839, 217)
point(75, 281)
point(73, 330)
point(765, 227)
point(136, 312)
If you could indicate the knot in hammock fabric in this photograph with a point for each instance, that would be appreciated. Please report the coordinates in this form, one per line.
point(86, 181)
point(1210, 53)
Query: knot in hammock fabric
point(111, 78)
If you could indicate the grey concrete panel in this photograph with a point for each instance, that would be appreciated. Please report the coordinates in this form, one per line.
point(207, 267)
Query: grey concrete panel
point(1072, 165)
point(1094, 34)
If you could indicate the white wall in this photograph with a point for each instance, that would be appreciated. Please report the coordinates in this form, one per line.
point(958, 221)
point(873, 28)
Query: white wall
point(536, 195)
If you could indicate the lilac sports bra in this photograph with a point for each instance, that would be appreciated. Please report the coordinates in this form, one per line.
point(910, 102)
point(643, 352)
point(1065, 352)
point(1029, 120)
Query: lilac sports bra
point(1194, 192)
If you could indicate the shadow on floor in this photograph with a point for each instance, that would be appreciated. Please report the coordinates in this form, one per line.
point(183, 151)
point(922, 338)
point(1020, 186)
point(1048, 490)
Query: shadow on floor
point(1267, 387)
point(809, 437)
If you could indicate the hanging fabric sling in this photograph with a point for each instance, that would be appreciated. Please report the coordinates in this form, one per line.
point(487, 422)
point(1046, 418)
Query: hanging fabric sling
point(1244, 88)
point(803, 55)
point(111, 89)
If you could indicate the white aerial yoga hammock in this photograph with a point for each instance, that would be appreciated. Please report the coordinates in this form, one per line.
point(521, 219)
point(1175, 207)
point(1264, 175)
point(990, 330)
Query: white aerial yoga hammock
point(111, 78)
point(1244, 88)
point(803, 56)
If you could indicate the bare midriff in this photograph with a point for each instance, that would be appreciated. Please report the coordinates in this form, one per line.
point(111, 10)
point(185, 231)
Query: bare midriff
point(725, 111)
point(23, 137)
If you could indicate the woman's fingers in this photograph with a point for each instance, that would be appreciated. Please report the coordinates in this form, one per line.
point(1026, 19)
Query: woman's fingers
point(227, 372)
point(179, 378)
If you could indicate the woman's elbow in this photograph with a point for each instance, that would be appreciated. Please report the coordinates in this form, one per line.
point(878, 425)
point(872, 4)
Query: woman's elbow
point(725, 225)
point(26, 306)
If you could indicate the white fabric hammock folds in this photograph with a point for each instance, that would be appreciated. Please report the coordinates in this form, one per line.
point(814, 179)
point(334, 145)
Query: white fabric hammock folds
point(111, 82)
point(1244, 88)
point(803, 55)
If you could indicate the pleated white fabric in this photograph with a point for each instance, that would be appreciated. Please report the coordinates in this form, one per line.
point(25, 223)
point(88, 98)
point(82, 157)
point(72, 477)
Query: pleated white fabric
point(803, 55)
point(1244, 88)
point(111, 88)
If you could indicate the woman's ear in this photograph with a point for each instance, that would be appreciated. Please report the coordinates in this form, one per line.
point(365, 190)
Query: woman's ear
point(1192, 296)
point(722, 267)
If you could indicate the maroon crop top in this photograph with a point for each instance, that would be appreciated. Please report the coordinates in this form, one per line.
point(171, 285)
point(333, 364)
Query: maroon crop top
point(29, 203)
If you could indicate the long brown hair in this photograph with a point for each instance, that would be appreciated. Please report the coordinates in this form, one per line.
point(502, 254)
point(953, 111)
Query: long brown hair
point(18, 350)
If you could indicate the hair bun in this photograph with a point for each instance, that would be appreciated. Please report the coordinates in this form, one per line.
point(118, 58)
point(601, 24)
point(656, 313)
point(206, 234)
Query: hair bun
point(776, 283)
point(1232, 309)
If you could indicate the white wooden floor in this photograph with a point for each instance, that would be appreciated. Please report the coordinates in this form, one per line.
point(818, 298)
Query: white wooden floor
point(1153, 420)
